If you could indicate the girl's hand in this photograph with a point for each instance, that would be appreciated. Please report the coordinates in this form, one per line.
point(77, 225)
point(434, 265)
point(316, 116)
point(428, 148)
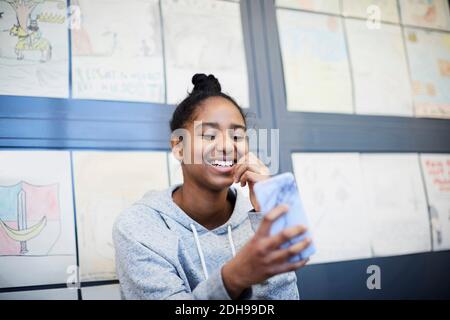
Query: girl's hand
point(249, 170)
point(262, 258)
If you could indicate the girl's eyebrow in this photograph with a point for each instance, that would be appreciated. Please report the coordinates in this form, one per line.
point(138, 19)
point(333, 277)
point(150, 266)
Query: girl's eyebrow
point(215, 125)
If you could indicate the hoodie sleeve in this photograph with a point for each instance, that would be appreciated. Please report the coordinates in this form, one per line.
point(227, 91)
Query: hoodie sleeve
point(144, 274)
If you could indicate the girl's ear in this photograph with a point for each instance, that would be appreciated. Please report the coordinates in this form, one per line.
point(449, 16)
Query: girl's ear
point(177, 148)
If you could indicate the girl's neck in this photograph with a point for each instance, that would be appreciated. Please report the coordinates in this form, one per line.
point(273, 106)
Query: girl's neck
point(209, 208)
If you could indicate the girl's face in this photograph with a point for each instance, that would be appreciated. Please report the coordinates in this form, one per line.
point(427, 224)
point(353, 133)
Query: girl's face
point(216, 141)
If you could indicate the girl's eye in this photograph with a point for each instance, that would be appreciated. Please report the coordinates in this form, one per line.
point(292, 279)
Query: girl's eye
point(209, 137)
point(238, 138)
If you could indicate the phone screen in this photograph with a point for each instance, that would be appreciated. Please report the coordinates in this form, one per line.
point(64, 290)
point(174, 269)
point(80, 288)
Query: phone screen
point(282, 189)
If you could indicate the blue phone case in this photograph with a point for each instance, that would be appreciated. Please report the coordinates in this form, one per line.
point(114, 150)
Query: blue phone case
point(282, 189)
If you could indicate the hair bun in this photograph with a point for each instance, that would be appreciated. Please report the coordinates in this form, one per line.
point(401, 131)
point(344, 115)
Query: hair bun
point(205, 83)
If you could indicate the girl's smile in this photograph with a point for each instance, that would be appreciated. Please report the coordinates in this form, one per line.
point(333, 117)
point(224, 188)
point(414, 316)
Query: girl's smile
point(221, 166)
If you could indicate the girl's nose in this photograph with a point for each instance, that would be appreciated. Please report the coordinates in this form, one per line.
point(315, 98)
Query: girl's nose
point(225, 144)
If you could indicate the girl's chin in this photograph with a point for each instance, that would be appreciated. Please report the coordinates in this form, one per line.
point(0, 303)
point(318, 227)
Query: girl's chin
point(220, 182)
point(219, 178)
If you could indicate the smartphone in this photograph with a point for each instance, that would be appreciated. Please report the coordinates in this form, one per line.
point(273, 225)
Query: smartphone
point(282, 189)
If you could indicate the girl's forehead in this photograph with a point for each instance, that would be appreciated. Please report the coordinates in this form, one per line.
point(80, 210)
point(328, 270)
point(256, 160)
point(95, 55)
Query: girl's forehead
point(219, 110)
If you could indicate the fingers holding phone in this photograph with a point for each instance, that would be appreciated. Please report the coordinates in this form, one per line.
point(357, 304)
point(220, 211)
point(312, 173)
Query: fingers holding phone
point(263, 256)
point(282, 189)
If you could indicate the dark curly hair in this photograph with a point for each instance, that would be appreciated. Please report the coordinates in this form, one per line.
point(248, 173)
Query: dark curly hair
point(204, 88)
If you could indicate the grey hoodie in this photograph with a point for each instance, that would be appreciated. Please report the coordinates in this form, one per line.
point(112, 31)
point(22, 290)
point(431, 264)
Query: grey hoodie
point(162, 253)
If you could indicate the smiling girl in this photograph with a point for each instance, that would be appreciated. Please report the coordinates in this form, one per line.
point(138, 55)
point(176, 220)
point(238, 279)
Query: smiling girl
point(204, 239)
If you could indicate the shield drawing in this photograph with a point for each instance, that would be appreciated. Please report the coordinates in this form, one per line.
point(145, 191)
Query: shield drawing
point(29, 219)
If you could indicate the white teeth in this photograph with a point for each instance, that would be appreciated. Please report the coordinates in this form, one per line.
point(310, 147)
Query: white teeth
point(221, 163)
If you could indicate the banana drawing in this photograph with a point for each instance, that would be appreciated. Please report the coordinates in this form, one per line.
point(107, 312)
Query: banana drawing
point(26, 234)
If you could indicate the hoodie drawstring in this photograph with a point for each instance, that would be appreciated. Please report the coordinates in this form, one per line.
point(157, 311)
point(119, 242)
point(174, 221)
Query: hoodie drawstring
point(200, 251)
point(230, 240)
